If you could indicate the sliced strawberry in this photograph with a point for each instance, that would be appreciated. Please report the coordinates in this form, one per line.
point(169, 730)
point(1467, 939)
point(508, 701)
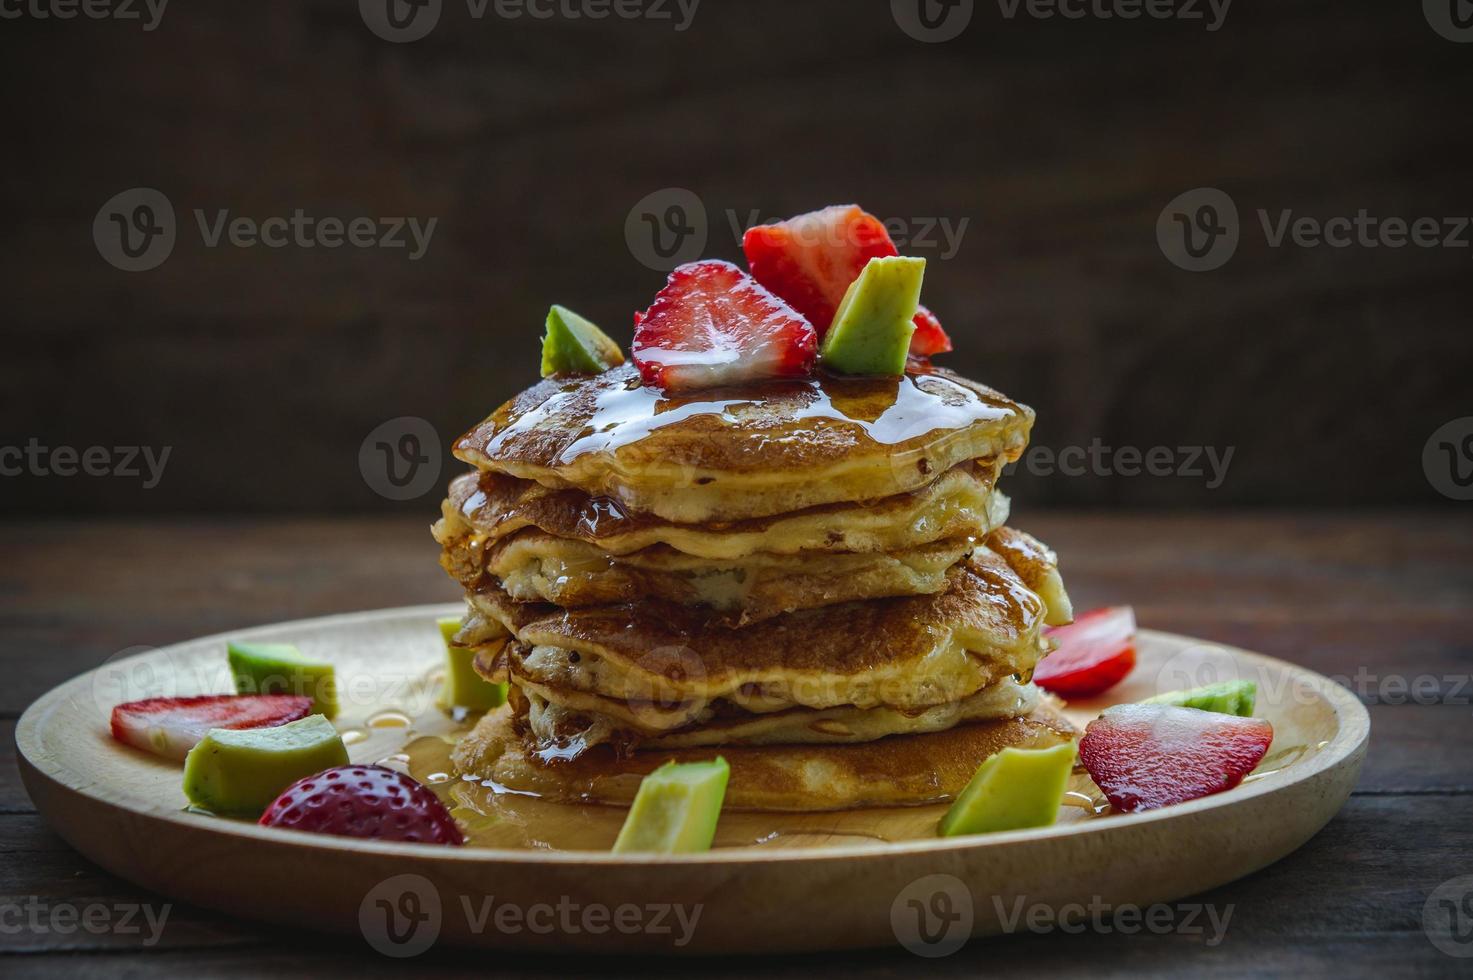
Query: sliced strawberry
point(712, 325)
point(1094, 653)
point(929, 338)
point(170, 727)
point(1146, 756)
point(364, 801)
point(810, 260)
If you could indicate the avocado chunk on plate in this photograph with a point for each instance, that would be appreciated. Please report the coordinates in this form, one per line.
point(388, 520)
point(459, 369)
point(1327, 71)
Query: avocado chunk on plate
point(1225, 697)
point(676, 809)
point(240, 771)
point(1013, 790)
point(280, 668)
point(464, 688)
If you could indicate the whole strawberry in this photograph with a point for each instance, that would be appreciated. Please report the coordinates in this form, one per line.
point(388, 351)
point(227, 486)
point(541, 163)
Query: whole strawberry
point(364, 801)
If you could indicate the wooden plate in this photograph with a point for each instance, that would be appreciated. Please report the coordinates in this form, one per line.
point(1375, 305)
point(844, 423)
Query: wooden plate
point(829, 886)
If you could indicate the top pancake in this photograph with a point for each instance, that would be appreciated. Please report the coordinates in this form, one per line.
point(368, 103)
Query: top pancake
point(748, 451)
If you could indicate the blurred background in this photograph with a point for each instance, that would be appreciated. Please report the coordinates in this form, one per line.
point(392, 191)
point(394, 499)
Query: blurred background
point(272, 258)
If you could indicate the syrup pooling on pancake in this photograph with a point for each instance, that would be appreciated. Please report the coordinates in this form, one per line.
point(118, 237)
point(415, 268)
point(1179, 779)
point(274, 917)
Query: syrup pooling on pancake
point(617, 412)
point(761, 450)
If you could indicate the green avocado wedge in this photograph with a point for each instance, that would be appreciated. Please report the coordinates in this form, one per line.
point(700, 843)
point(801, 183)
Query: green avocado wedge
point(240, 771)
point(464, 688)
point(1224, 697)
point(280, 668)
point(1012, 790)
point(676, 809)
point(872, 329)
point(573, 345)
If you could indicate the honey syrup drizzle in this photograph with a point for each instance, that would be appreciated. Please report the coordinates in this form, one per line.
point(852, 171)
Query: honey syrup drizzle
point(625, 411)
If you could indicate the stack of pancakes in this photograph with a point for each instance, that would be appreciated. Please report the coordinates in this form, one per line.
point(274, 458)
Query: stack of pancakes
point(811, 577)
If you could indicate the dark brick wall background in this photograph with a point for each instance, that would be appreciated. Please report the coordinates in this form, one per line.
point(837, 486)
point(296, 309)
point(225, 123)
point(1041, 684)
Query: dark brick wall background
point(1059, 142)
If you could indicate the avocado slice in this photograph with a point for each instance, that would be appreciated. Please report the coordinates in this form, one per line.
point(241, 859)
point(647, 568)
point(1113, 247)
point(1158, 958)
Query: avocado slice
point(573, 345)
point(280, 668)
point(871, 331)
point(676, 809)
point(464, 688)
point(1224, 697)
point(240, 771)
point(1014, 789)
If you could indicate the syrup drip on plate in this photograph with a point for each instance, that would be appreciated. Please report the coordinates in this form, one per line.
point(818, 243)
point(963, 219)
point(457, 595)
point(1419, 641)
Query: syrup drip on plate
point(493, 815)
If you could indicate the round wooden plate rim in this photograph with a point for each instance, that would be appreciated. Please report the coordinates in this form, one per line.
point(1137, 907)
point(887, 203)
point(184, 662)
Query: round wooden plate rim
point(1352, 732)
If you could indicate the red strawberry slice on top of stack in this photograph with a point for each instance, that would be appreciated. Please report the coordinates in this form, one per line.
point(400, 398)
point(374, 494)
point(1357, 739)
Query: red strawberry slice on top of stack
point(811, 260)
point(714, 325)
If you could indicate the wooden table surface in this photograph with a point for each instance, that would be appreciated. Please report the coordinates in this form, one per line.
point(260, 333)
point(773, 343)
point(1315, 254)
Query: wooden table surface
point(1383, 600)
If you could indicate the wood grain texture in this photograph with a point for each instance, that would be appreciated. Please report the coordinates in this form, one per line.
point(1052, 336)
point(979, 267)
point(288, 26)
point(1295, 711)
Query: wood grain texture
point(1349, 902)
point(1059, 142)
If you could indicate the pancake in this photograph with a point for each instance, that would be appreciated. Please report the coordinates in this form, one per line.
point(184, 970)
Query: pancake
point(757, 450)
point(568, 722)
point(959, 502)
point(1038, 567)
point(906, 652)
point(901, 770)
point(533, 566)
